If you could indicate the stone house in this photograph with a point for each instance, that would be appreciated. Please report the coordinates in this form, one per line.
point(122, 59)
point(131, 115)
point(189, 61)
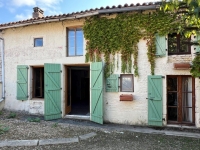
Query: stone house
point(44, 72)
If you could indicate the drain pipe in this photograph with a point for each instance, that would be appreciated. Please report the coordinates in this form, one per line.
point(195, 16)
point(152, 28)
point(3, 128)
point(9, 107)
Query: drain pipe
point(2, 69)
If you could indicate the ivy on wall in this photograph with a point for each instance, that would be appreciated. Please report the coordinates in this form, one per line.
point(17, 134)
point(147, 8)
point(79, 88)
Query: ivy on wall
point(110, 36)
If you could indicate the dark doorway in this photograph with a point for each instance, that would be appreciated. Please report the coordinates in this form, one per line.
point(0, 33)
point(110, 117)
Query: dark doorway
point(38, 82)
point(78, 93)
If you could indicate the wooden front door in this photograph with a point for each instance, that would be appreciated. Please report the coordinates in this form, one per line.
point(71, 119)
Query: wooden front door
point(155, 103)
point(97, 92)
point(52, 96)
point(180, 100)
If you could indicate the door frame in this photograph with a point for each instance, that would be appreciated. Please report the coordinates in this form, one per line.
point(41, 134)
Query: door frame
point(193, 101)
point(66, 88)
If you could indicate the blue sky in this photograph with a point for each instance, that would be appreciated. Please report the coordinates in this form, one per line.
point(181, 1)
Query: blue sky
point(15, 10)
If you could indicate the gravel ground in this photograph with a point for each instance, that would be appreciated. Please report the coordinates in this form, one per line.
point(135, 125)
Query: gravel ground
point(21, 128)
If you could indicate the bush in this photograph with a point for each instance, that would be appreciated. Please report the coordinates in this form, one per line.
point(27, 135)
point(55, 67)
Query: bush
point(3, 129)
point(33, 119)
point(12, 115)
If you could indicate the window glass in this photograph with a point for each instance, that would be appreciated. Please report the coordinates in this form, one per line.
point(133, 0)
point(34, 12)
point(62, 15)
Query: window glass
point(38, 42)
point(75, 42)
point(172, 43)
point(71, 42)
point(126, 83)
point(79, 42)
point(178, 44)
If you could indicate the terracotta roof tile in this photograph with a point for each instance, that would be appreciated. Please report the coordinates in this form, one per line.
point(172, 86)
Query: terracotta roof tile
point(10, 24)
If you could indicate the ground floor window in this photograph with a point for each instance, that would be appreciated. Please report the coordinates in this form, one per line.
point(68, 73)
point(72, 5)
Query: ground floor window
point(38, 82)
point(180, 99)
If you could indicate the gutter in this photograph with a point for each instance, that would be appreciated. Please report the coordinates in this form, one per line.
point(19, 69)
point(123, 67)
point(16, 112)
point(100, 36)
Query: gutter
point(125, 9)
point(3, 69)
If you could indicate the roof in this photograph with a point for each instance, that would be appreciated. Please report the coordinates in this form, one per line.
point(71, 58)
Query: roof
point(82, 14)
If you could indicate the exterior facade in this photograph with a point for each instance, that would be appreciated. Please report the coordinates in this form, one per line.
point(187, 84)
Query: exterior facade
point(46, 73)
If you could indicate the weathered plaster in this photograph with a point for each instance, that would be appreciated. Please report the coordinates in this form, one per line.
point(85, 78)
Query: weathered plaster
point(19, 50)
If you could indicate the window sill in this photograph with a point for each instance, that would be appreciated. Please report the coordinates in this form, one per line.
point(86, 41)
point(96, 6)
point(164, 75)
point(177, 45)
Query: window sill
point(75, 56)
point(37, 99)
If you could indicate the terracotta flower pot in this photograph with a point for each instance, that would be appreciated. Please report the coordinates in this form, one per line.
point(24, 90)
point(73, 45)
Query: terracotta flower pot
point(126, 97)
point(182, 65)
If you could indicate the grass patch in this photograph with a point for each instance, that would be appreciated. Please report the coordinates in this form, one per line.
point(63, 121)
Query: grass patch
point(55, 125)
point(3, 129)
point(33, 119)
point(11, 115)
point(1, 113)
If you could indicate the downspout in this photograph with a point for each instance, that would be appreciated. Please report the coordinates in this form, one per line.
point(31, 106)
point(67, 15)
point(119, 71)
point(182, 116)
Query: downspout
point(2, 68)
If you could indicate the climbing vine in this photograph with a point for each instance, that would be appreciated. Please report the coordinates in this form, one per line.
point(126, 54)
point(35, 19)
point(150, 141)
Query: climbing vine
point(195, 71)
point(108, 36)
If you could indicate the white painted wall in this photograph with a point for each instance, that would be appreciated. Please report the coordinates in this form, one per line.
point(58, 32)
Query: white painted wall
point(19, 50)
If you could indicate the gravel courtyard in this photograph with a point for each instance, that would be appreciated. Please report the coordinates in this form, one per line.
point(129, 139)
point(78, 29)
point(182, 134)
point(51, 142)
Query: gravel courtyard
point(21, 126)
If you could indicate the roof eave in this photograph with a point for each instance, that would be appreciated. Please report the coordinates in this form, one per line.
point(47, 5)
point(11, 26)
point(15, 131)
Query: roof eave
point(87, 14)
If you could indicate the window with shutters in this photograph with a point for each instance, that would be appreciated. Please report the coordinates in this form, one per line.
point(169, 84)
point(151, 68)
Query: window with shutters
point(38, 82)
point(126, 83)
point(74, 42)
point(178, 44)
point(112, 83)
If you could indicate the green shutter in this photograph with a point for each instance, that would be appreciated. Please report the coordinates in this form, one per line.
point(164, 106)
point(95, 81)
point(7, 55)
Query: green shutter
point(160, 45)
point(97, 92)
point(112, 83)
point(52, 96)
point(155, 100)
point(197, 47)
point(22, 82)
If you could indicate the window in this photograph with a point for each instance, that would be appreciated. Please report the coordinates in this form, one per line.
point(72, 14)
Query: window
point(38, 42)
point(126, 82)
point(178, 44)
point(180, 99)
point(38, 82)
point(75, 42)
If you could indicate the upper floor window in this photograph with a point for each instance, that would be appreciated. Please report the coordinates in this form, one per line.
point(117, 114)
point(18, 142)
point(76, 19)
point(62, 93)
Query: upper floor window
point(75, 42)
point(38, 42)
point(178, 44)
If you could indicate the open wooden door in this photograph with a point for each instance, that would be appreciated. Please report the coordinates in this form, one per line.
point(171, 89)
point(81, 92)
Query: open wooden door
point(52, 96)
point(68, 91)
point(97, 92)
point(155, 100)
point(22, 82)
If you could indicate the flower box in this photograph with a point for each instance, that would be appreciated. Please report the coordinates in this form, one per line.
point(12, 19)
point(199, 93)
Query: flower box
point(182, 65)
point(126, 97)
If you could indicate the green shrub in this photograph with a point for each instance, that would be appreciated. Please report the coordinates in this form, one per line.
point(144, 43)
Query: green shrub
point(55, 125)
point(3, 129)
point(33, 119)
point(11, 115)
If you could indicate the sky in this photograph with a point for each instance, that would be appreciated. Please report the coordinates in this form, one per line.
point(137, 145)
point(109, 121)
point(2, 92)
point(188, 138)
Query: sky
point(15, 10)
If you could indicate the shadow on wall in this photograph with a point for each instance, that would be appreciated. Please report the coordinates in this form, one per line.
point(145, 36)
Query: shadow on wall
point(2, 103)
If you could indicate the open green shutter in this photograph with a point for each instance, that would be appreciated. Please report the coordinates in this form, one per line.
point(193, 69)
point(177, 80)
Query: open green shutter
point(197, 47)
point(160, 45)
point(97, 92)
point(52, 96)
point(155, 100)
point(22, 82)
point(112, 83)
